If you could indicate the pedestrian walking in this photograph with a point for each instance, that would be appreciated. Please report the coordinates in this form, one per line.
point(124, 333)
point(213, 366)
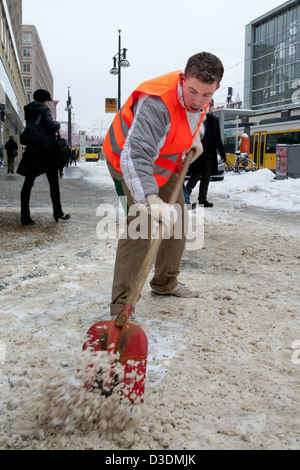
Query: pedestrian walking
point(11, 148)
point(73, 157)
point(40, 158)
point(158, 123)
point(207, 164)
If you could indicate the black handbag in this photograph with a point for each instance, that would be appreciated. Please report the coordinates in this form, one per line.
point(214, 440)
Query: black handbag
point(62, 152)
point(36, 137)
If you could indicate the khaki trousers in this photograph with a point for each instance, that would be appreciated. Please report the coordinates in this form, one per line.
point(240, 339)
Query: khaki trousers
point(131, 252)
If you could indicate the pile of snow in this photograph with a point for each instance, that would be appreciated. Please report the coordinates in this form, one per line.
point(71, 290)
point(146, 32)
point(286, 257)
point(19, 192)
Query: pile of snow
point(259, 189)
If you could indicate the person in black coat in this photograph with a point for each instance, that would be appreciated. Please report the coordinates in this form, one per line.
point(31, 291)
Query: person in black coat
point(207, 164)
point(11, 148)
point(40, 159)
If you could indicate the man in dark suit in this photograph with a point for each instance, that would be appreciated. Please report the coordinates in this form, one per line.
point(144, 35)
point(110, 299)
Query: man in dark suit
point(207, 164)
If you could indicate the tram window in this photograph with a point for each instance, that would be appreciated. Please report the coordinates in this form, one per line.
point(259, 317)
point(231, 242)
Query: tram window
point(251, 143)
point(229, 145)
point(88, 150)
point(290, 138)
point(262, 145)
point(296, 137)
point(272, 141)
point(282, 138)
point(287, 138)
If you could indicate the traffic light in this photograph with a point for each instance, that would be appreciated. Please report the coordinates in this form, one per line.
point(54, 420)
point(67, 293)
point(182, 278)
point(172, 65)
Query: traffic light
point(229, 96)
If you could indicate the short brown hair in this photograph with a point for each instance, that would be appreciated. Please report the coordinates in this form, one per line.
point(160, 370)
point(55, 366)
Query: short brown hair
point(205, 67)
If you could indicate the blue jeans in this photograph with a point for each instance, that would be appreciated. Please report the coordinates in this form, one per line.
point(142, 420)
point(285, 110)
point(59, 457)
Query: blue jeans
point(186, 194)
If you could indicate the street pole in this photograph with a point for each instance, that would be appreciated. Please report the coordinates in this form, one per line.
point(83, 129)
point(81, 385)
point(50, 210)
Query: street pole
point(69, 108)
point(119, 74)
point(119, 61)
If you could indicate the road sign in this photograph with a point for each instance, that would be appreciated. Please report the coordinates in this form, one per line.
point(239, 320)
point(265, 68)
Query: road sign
point(110, 105)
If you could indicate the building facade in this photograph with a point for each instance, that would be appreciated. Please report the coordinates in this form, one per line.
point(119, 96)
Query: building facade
point(15, 12)
point(12, 90)
point(272, 60)
point(36, 71)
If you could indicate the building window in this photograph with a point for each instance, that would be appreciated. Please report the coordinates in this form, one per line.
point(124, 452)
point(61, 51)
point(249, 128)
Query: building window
point(276, 59)
point(26, 68)
point(26, 53)
point(27, 82)
point(27, 37)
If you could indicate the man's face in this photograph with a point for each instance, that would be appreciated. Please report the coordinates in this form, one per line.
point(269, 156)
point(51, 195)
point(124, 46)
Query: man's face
point(196, 94)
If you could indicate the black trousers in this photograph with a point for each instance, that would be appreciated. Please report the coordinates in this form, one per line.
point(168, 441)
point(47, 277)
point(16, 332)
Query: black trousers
point(10, 164)
point(52, 176)
point(202, 172)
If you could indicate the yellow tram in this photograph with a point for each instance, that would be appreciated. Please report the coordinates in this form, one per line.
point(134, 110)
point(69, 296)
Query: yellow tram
point(263, 141)
point(93, 154)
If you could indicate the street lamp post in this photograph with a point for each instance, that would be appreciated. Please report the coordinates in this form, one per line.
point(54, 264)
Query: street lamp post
point(119, 60)
point(69, 109)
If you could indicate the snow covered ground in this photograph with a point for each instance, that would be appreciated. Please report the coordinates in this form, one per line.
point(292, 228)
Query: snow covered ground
point(223, 370)
point(259, 188)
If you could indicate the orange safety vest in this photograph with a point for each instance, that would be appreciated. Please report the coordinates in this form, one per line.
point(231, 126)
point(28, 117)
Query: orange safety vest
point(178, 140)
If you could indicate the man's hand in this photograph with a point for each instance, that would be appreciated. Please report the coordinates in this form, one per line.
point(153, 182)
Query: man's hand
point(161, 211)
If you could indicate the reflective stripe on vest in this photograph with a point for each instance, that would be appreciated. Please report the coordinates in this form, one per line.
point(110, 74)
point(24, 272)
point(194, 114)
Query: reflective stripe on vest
point(178, 139)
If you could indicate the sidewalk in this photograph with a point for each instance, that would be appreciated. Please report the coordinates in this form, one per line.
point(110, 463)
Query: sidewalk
point(78, 197)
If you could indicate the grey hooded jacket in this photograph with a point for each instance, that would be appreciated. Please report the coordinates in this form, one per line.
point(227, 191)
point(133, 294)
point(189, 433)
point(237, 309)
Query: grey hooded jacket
point(145, 138)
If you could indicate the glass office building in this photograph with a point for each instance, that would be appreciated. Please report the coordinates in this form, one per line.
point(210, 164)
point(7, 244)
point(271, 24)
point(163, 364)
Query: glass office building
point(272, 59)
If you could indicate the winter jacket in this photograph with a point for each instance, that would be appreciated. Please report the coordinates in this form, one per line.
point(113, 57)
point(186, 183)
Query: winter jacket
point(212, 143)
point(37, 162)
point(149, 135)
point(34, 110)
point(10, 146)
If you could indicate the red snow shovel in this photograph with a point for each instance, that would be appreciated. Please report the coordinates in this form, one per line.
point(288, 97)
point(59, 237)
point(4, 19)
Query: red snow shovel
point(124, 339)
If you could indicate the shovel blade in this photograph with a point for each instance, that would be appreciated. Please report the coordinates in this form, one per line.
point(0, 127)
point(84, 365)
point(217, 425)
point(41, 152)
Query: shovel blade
point(130, 344)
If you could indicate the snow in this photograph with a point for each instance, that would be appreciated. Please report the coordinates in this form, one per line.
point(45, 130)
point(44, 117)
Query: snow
point(219, 372)
point(260, 189)
point(254, 188)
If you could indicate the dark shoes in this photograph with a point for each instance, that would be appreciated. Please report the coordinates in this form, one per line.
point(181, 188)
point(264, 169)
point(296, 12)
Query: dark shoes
point(206, 203)
point(192, 207)
point(26, 222)
point(61, 217)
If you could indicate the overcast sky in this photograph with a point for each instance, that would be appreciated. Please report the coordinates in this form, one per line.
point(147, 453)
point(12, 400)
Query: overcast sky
point(80, 37)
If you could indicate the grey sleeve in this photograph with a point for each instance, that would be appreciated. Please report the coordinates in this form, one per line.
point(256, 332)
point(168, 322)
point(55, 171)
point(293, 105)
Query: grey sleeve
point(146, 137)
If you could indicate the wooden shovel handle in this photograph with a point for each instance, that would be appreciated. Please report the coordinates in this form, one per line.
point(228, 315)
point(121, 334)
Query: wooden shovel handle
point(137, 286)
